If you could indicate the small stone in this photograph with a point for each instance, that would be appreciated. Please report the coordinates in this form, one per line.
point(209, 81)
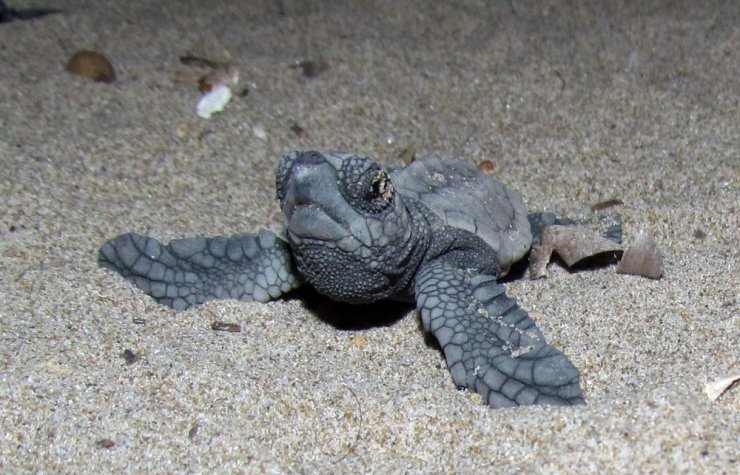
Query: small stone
point(312, 68)
point(358, 340)
point(259, 131)
point(183, 130)
point(91, 65)
point(130, 357)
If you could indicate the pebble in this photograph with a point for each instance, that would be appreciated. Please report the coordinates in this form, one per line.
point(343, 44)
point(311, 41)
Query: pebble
point(91, 65)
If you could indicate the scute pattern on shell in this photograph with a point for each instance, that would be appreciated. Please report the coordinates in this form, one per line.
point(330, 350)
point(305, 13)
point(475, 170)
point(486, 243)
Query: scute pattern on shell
point(467, 199)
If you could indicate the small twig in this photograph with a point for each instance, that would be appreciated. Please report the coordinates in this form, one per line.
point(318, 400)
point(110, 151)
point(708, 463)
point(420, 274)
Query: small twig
point(359, 425)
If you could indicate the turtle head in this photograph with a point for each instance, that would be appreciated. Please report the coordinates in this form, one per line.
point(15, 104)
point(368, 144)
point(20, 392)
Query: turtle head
point(351, 235)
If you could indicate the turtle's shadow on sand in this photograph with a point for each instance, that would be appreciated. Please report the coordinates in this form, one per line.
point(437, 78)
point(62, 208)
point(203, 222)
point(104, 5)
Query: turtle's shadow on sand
point(345, 316)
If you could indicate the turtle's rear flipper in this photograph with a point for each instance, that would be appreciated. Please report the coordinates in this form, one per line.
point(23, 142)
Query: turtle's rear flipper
point(191, 271)
point(492, 346)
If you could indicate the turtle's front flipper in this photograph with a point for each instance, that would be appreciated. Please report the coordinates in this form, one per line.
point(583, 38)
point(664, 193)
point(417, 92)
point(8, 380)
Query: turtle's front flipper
point(191, 271)
point(492, 346)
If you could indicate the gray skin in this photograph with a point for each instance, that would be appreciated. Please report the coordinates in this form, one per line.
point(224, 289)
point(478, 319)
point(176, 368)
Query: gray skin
point(437, 233)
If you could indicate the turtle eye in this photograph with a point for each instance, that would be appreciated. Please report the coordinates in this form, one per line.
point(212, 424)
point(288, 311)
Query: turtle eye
point(366, 185)
point(381, 188)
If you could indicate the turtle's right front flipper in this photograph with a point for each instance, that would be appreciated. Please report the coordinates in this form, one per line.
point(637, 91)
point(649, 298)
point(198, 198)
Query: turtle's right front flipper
point(191, 271)
point(492, 346)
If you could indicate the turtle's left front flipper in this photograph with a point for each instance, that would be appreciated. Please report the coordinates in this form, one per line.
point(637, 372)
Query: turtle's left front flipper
point(492, 346)
point(191, 271)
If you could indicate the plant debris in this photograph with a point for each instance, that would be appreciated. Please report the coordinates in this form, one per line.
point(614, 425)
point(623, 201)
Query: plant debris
point(642, 258)
point(716, 388)
point(606, 204)
point(105, 443)
point(225, 327)
point(218, 84)
point(573, 244)
point(297, 130)
point(193, 432)
point(91, 65)
point(201, 62)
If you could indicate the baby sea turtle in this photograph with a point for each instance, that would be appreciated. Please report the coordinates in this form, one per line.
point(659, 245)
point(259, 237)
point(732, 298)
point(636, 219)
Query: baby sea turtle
point(436, 232)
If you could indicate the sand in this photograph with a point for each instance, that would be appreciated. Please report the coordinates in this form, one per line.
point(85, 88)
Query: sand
point(573, 102)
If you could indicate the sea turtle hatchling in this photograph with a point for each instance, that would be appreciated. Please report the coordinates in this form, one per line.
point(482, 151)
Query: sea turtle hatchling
point(436, 232)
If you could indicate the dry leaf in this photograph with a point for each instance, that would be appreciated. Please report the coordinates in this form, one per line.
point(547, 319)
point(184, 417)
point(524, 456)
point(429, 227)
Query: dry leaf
point(572, 243)
point(225, 327)
point(715, 389)
point(606, 204)
point(642, 258)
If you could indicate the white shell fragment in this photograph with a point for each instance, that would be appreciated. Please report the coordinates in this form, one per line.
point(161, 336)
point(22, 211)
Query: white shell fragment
point(213, 101)
point(715, 389)
point(218, 89)
point(642, 258)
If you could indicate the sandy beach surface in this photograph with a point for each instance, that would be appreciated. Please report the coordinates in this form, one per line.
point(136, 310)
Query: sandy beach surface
point(574, 103)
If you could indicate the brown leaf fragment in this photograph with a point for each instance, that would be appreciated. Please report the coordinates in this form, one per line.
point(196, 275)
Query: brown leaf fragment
point(105, 443)
point(576, 243)
point(227, 75)
point(201, 62)
point(225, 327)
point(606, 204)
point(642, 258)
point(572, 243)
point(297, 130)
